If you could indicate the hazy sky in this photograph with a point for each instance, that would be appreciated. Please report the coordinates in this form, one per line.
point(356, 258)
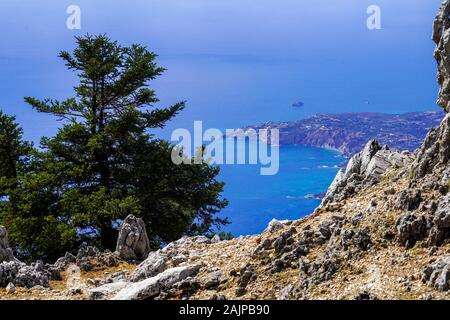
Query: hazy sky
point(236, 62)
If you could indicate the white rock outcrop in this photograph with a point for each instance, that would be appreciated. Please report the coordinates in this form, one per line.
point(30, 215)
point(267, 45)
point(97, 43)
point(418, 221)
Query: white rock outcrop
point(441, 36)
point(363, 170)
point(6, 253)
point(133, 243)
point(152, 287)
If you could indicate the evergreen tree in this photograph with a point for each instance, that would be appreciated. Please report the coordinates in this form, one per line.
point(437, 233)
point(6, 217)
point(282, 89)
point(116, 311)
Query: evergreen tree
point(12, 148)
point(106, 163)
point(29, 199)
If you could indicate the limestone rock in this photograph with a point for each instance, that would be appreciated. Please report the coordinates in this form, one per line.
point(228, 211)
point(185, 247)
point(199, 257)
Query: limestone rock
point(363, 170)
point(362, 240)
point(10, 288)
point(246, 275)
point(189, 284)
point(410, 229)
point(216, 239)
point(214, 279)
point(6, 253)
point(408, 200)
point(133, 243)
point(152, 287)
point(33, 275)
point(434, 154)
point(437, 274)
point(155, 263)
point(8, 271)
point(285, 293)
point(442, 215)
point(365, 295)
point(357, 218)
point(329, 228)
point(290, 292)
point(275, 225)
point(441, 222)
point(441, 36)
point(106, 290)
point(324, 268)
point(83, 260)
point(178, 253)
point(262, 247)
point(284, 240)
point(63, 262)
point(23, 275)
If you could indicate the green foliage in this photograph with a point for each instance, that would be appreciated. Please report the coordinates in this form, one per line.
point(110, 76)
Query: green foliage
point(28, 203)
point(225, 235)
point(104, 164)
point(13, 150)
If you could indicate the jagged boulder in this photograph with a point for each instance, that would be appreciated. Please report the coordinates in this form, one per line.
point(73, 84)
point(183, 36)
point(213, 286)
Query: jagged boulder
point(6, 253)
point(213, 280)
point(87, 255)
point(365, 295)
point(275, 225)
point(353, 239)
point(17, 273)
point(106, 290)
point(410, 229)
point(364, 170)
point(408, 200)
point(434, 154)
point(155, 263)
point(31, 276)
point(133, 243)
point(435, 151)
point(441, 36)
point(442, 215)
point(63, 262)
point(246, 274)
point(85, 259)
point(284, 240)
point(437, 274)
point(262, 247)
point(23, 275)
point(174, 254)
point(323, 268)
point(362, 239)
point(152, 287)
point(329, 228)
point(8, 272)
point(441, 222)
point(10, 288)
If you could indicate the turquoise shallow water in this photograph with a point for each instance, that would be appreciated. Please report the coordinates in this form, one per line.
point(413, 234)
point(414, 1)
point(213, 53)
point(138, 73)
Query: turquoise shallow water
point(255, 199)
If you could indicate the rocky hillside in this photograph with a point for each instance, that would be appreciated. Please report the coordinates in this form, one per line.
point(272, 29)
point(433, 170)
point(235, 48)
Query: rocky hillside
point(349, 132)
point(381, 232)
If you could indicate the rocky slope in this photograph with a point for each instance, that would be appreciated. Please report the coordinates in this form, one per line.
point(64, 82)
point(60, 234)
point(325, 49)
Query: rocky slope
point(382, 232)
point(349, 132)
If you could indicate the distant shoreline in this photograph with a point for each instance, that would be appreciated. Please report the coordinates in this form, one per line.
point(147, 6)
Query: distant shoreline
point(347, 133)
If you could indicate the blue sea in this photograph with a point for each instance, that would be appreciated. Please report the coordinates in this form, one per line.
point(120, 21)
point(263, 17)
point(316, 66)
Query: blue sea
point(254, 200)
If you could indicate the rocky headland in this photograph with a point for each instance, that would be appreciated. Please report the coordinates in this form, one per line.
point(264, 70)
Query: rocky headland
point(349, 132)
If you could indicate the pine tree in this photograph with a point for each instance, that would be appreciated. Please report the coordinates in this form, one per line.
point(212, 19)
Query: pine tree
point(29, 199)
point(107, 162)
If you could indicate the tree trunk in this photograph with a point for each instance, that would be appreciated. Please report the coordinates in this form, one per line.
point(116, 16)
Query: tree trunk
point(108, 236)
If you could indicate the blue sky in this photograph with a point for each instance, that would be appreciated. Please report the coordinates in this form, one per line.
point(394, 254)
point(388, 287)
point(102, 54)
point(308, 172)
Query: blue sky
point(236, 62)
